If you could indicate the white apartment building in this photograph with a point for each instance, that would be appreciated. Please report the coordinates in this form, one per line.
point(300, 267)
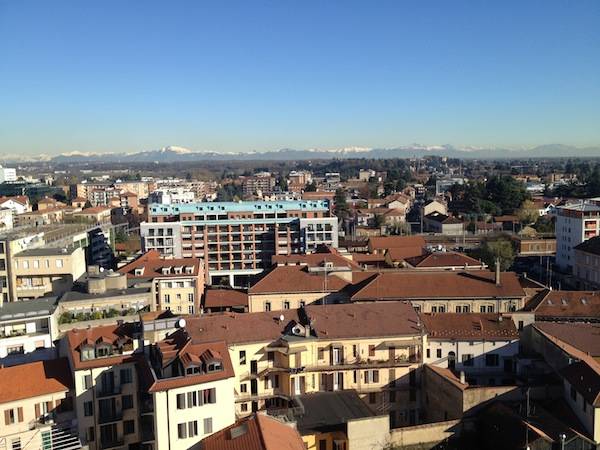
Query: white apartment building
point(575, 224)
point(168, 196)
point(7, 174)
point(483, 346)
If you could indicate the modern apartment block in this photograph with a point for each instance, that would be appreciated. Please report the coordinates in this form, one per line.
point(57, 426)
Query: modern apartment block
point(237, 240)
point(575, 224)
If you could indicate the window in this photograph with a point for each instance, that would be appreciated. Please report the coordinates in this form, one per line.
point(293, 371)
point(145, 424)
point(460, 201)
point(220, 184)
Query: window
point(180, 401)
point(181, 430)
point(492, 360)
point(88, 409)
point(25, 264)
point(242, 357)
point(428, 353)
point(127, 401)
point(16, 444)
point(128, 427)
point(267, 306)
point(322, 444)
point(467, 359)
point(125, 376)
point(167, 298)
point(208, 425)
point(36, 263)
point(59, 263)
point(354, 351)
point(286, 304)
point(209, 396)
point(371, 350)
point(192, 399)
point(321, 353)
point(15, 350)
point(190, 309)
point(190, 297)
point(438, 353)
point(244, 407)
point(270, 356)
point(91, 434)
point(193, 428)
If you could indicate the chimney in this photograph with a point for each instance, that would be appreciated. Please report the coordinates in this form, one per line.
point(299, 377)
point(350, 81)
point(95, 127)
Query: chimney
point(497, 272)
point(462, 377)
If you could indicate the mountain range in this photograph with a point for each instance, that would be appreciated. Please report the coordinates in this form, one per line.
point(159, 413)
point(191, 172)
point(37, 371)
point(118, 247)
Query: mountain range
point(181, 154)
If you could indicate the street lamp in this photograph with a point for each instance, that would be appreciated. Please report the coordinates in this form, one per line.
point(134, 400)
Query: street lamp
point(562, 437)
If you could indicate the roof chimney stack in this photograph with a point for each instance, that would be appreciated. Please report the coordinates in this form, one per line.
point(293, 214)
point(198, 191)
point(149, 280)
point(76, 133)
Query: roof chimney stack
point(497, 278)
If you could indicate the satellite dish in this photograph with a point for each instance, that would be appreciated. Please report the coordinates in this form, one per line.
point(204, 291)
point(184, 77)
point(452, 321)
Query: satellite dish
point(181, 323)
point(281, 318)
point(101, 269)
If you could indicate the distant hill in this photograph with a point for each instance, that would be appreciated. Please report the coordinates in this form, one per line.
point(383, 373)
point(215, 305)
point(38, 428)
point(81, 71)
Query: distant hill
point(180, 154)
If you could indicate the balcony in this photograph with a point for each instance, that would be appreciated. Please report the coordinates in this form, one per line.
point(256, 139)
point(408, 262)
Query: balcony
point(109, 392)
point(109, 417)
point(104, 445)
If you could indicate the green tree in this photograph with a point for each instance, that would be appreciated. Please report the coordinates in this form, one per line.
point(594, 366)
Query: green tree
point(500, 248)
point(310, 187)
point(340, 204)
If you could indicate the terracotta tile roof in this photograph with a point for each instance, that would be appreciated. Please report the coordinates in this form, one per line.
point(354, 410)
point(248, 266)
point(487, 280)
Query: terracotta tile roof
point(111, 333)
point(329, 322)
point(153, 264)
point(386, 242)
point(362, 258)
point(22, 199)
point(565, 304)
point(446, 374)
point(585, 337)
point(327, 254)
point(585, 378)
point(179, 345)
point(93, 210)
point(283, 279)
point(219, 298)
point(405, 285)
point(469, 327)
point(35, 379)
point(257, 432)
point(443, 259)
point(403, 253)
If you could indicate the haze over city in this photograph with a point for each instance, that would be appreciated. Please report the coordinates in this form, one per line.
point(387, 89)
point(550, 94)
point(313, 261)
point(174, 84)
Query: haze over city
point(260, 76)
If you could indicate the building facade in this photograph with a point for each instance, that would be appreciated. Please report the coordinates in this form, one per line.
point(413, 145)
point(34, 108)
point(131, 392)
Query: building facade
point(237, 240)
point(575, 224)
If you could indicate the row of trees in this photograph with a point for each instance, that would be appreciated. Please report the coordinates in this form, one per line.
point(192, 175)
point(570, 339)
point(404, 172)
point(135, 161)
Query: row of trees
point(498, 195)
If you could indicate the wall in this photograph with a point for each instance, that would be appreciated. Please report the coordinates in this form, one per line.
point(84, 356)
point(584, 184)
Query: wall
point(368, 433)
point(430, 433)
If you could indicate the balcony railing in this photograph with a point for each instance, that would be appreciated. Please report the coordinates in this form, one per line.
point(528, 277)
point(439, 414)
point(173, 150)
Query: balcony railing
point(113, 443)
point(114, 416)
point(108, 392)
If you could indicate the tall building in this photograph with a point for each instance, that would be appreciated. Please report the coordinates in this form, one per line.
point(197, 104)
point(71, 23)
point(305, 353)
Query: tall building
point(237, 240)
point(7, 174)
point(575, 224)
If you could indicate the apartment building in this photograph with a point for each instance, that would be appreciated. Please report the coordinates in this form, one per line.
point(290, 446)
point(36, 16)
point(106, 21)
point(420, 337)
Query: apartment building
point(106, 386)
point(96, 214)
point(575, 224)
point(177, 283)
point(36, 404)
point(40, 217)
point(237, 240)
point(28, 331)
point(40, 271)
point(189, 392)
point(480, 345)
point(171, 195)
point(374, 349)
point(18, 204)
point(7, 174)
point(261, 183)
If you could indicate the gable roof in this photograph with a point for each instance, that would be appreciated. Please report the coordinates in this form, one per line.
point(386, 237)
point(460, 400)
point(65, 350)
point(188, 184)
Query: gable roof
point(35, 379)
point(469, 327)
point(325, 254)
point(405, 285)
point(584, 337)
point(219, 298)
point(443, 259)
point(283, 279)
point(565, 304)
point(584, 376)
point(590, 246)
point(256, 432)
point(329, 322)
point(153, 264)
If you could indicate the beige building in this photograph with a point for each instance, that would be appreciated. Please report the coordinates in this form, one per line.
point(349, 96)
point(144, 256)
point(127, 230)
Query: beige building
point(102, 361)
point(96, 214)
point(177, 284)
point(40, 413)
point(40, 271)
point(39, 217)
point(374, 349)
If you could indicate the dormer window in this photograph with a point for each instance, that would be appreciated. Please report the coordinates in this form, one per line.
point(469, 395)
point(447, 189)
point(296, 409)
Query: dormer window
point(214, 367)
point(87, 352)
point(192, 370)
point(139, 271)
point(166, 270)
point(189, 270)
point(103, 350)
point(178, 270)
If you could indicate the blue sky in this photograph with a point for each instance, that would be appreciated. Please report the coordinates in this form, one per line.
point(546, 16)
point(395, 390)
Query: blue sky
point(251, 75)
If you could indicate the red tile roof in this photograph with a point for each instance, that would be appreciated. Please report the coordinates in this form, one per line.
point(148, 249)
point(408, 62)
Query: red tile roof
point(35, 379)
point(468, 327)
point(386, 242)
point(404, 253)
point(406, 285)
point(318, 259)
point(220, 298)
point(329, 322)
point(153, 263)
point(565, 304)
point(257, 432)
point(443, 259)
point(585, 337)
point(291, 279)
point(110, 333)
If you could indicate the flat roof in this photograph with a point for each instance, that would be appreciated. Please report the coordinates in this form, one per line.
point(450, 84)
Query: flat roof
point(40, 307)
point(47, 251)
point(72, 296)
point(225, 207)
